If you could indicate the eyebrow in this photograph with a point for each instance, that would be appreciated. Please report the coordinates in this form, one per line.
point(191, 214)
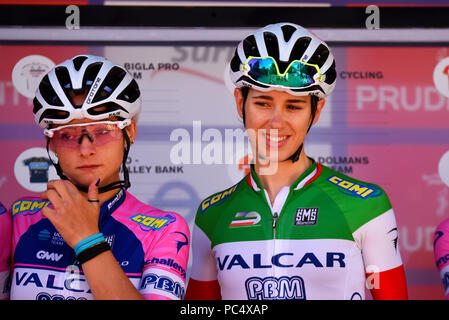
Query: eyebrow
point(271, 99)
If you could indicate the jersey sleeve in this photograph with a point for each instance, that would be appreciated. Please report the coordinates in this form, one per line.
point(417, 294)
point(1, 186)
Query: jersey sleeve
point(5, 251)
point(441, 254)
point(378, 241)
point(164, 273)
point(203, 283)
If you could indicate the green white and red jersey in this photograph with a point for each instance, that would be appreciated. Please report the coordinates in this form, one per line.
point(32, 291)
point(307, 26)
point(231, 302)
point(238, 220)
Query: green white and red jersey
point(327, 236)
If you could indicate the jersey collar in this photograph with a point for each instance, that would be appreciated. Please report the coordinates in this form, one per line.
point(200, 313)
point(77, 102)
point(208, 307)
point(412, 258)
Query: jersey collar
point(111, 205)
point(307, 177)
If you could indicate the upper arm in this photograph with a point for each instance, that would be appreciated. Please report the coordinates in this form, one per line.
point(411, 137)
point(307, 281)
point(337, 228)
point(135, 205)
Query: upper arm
point(441, 254)
point(164, 272)
point(378, 241)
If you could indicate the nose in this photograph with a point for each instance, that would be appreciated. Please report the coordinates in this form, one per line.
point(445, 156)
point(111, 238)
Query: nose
point(86, 143)
point(277, 118)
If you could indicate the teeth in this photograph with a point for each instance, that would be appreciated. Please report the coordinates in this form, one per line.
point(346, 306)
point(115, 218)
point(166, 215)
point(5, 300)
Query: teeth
point(276, 139)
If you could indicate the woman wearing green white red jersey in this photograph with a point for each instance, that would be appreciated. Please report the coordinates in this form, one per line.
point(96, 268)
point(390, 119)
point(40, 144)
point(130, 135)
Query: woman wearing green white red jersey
point(87, 237)
point(292, 228)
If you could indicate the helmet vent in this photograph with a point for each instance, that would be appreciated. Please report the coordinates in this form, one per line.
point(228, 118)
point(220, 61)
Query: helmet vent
point(250, 47)
point(78, 62)
point(320, 55)
point(288, 30)
point(235, 62)
point(64, 80)
point(109, 84)
point(90, 74)
point(272, 45)
point(48, 93)
point(131, 92)
point(54, 114)
point(299, 48)
point(37, 105)
point(331, 74)
point(106, 108)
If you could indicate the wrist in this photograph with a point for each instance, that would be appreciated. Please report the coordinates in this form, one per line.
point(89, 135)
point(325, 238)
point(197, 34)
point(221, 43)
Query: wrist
point(92, 252)
point(89, 242)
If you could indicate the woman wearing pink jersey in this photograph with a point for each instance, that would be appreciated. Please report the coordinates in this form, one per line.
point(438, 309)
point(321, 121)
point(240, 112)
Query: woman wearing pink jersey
point(87, 237)
point(5, 250)
point(441, 253)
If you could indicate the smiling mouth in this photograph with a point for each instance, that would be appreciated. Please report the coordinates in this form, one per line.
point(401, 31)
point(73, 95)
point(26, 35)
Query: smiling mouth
point(276, 138)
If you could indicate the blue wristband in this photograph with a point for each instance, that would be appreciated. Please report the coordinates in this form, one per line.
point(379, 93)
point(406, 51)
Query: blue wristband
point(88, 242)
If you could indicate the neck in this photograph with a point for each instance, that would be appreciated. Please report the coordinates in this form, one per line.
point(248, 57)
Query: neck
point(286, 174)
point(105, 196)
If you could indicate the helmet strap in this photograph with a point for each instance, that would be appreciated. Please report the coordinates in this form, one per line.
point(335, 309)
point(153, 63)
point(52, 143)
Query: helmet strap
point(244, 91)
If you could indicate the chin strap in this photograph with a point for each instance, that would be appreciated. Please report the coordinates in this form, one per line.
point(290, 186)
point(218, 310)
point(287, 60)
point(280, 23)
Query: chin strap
point(114, 185)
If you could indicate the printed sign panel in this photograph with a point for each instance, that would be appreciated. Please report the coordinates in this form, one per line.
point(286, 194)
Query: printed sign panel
point(385, 123)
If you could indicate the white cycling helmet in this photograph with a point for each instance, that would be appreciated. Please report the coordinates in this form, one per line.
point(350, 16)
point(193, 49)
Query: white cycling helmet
point(110, 91)
point(284, 43)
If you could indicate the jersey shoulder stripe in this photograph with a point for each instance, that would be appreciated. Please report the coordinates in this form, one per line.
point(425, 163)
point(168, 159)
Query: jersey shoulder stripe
point(212, 208)
point(28, 206)
point(359, 201)
point(217, 198)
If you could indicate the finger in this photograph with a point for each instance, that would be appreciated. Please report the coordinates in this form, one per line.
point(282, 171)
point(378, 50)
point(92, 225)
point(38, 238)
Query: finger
point(92, 192)
point(44, 196)
point(71, 188)
point(55, 199)
point(48, 213)
point(60, 187)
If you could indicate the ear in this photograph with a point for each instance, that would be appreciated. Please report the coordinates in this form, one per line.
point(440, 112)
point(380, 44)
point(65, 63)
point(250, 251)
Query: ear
point(319, 107)
point(131, 130)
point(239, 101)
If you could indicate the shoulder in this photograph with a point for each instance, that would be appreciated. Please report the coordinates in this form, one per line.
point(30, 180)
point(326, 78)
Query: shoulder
point(213, 206)
point(5, 222)
point(441, 237)
point(27, 206)
point(151, 218)
point(359, 200)
point(3, 209)
point(220, 199)
point(443, 226)
point(441, 244)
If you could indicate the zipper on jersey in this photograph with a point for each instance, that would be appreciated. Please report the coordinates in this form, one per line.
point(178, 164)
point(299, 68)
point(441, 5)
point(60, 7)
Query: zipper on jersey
point(275, 221)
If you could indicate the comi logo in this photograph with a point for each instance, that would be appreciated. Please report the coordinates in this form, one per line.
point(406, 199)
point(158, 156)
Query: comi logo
point(353, 189)
point(209, 202)
point(30, 206)
point(243, 219)
point(151, 223)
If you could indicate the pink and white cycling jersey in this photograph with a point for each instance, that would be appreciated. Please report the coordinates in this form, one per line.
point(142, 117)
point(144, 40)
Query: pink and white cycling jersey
point(5, 251)
point(441, 253)
point(151, 246)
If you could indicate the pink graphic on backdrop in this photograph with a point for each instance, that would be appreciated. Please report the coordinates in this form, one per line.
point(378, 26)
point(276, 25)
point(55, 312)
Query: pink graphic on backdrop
point(403, 96)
